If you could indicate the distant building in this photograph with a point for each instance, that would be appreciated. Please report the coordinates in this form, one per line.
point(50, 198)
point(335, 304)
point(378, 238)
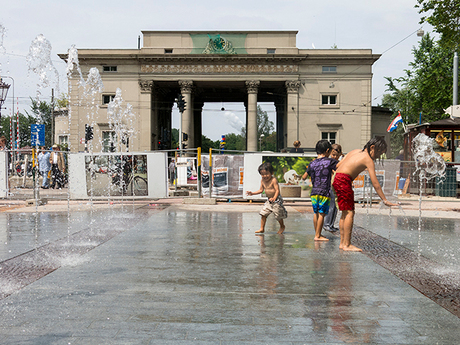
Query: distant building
point(317, 93)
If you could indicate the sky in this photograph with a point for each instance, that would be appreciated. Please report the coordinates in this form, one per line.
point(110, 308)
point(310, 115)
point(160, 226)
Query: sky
point(387, 27)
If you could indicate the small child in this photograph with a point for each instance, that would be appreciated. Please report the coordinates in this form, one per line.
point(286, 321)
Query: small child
point(348, 169)
point(274, 204)
point(320, 171)
point(329, 219)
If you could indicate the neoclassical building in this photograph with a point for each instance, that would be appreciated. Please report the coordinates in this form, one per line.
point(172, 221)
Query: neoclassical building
point(318, 94)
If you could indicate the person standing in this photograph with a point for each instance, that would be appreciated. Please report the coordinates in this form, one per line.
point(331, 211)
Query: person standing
point(57, 167)
point(172, 169)
point(296, 148)
point(2, 143)
point(348, 169)
point(320, 171)
point(329, 219)
point(274, 204)
point(44, 166)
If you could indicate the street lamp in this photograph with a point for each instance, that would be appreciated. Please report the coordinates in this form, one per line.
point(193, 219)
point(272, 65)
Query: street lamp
point(3, 92)
point(260, 141)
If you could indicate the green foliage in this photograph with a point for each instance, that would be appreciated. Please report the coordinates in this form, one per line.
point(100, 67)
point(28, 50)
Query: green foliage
point(283, 164)
point(174, 138)
point(268, 143)
point(444, 16)
point(62, 101)
point(41, 111)
point(264, 125)
point(24, 129)
point(426, 87)
point(235, 142)
point(207, 144)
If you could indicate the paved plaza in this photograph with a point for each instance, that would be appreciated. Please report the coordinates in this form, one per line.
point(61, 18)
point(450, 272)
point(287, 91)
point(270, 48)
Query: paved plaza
point(159, 272)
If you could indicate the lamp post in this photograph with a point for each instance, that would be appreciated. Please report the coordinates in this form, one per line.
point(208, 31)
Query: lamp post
point(3, 92)
point(4, 87)
point(260, 141)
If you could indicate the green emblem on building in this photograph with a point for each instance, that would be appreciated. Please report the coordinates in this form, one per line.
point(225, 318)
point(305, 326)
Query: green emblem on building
point(218, 45)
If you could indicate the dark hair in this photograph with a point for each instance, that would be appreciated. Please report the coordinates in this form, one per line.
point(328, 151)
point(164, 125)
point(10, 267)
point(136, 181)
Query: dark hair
point(267, 167)
point(337, 147)
point(380, 146)
point(322, 146)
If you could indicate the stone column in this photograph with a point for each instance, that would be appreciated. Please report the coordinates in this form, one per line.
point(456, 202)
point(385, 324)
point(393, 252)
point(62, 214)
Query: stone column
point(251, 124)
point(292, 111)
point(146, 124)
point(187, 116)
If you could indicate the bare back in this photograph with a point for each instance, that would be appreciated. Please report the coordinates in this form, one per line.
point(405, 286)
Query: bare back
point(355, 162)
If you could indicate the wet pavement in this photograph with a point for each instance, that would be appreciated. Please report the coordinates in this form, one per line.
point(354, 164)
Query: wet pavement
point(140, 273)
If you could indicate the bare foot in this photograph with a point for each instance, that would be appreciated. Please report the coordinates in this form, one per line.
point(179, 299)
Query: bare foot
point(281, 230)
point(260, 231)
point(351, 248)
point(321, 238)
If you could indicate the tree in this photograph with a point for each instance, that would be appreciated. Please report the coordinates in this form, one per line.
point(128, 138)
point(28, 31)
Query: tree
point(207, 144)
point(24, 129)
point(425, 88)
point(235, 142)
point(268, 143)
point(174, 138)
point(264, 126)
point(42, 113)
point(62, 101)
point(444, 16)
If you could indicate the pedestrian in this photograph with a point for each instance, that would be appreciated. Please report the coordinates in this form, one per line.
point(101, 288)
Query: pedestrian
point(329, 219)
point(172, 170)
point(348, 169)
point(44, 166)
point(296, 148)
point(2, 143)
point(57, 167)
point(274, 204)
point(320, 171)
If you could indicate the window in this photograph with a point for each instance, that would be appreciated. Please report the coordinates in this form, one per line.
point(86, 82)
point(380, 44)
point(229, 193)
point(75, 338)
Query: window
point(271, 51)
point(329, 100)
point(106, 99)
point(329, 136)
point(329, 69)
point(168, 51)
point(442, 140)
point(109, 141)
point(63, 140)
point(109, 68)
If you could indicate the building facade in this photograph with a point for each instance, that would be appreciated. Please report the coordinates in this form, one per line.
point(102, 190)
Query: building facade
point(317, 94)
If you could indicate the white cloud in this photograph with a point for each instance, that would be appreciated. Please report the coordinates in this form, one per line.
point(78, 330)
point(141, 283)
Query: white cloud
point(233, 120)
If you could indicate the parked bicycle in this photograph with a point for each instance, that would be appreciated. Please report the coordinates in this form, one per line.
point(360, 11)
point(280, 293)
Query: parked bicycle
point(126, 180)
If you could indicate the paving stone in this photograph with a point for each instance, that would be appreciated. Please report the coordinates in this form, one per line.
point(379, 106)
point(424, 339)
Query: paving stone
point(184, 276)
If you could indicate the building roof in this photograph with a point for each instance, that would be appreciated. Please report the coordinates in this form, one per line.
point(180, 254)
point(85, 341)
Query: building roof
point(444, 123)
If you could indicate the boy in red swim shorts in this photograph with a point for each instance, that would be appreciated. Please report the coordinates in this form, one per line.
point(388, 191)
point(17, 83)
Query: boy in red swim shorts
point(348, 169)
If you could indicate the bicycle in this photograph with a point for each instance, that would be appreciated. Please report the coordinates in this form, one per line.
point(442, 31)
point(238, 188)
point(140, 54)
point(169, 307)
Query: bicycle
point(130, 184)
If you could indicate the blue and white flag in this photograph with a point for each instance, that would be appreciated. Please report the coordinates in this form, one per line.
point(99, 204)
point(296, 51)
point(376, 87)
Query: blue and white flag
point(394, 124)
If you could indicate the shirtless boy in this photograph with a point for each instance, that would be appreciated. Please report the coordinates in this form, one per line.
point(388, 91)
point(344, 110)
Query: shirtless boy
point(348, 169)
point(274, 204)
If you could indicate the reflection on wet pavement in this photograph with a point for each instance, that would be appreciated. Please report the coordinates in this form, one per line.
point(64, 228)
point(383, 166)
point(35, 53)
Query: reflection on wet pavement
point(181, 277)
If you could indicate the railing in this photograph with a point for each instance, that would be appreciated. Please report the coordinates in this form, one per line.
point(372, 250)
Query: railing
point(443, 187)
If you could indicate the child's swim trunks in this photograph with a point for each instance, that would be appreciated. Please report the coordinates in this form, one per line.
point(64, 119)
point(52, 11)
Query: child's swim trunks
point(320, 203)
point(276, 207)
point(343, 186)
